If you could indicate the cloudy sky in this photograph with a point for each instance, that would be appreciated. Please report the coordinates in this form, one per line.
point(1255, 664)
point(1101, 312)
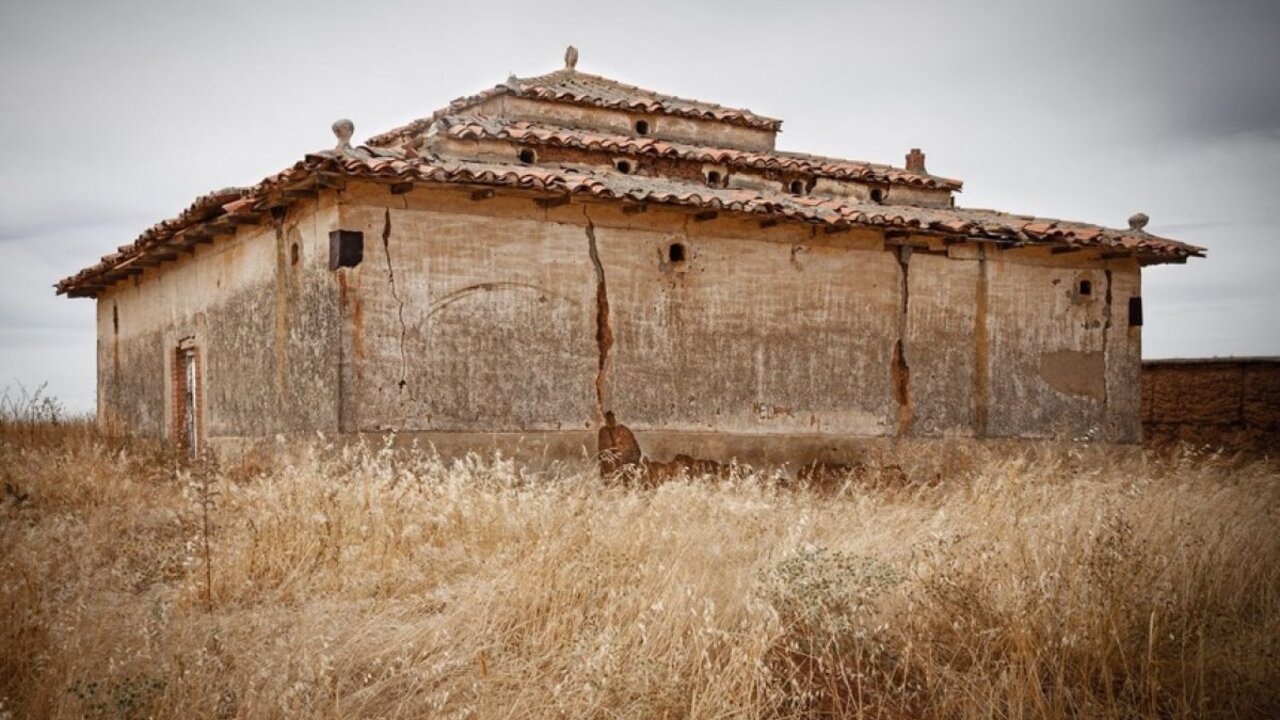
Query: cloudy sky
point(116, 115)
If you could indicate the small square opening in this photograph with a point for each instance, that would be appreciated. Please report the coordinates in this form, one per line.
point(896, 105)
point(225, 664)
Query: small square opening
point(346, 248)
point(675, 252)
point(1086, 288)
point(1135, 312)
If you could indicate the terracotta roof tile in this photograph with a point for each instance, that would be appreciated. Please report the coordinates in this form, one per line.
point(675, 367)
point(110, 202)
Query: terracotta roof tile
point(474, 128)
point(586, 89)
point(571, 86)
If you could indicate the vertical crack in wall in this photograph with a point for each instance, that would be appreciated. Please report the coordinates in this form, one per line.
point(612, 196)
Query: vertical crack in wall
point(1104, 431)
point(604, 333)
point(391, 276)
point(981, 361)
point(281, 312)
point(899, 370)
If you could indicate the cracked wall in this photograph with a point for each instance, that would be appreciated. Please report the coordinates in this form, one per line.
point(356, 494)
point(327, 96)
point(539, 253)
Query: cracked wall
point(490, 321)
point(473, 318)
point(604, 332)
point(746, 341)
point(518, 318)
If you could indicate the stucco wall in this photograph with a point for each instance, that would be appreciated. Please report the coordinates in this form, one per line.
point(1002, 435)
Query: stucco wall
point(265, 328)
point(784, 338)
point(469, 323)
point(1061, 364)
point(477, 320)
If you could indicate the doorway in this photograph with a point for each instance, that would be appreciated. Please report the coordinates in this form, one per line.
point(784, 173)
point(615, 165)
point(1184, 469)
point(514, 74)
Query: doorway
point(186, 395)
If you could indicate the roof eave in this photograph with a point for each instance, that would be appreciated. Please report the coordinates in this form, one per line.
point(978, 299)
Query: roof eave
point(325, 170)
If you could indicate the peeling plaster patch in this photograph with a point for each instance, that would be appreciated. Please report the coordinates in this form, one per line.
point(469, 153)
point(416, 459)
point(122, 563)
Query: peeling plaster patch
point(604, 333)
point(391, 277)
point(1075, 372)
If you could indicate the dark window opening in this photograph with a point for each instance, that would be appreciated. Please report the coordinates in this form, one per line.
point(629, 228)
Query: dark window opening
point(346, 248)
point(527, 156)
point(115, 318)
point(1086, 288)
point(293, 254)
point(642, 127)
point(713, 178)
point(797, 187)
point(877, 195)
point(623, 166)
point(1135, 312)
point(675, 252)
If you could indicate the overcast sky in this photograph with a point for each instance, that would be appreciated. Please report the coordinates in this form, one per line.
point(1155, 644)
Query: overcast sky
point(116, 115)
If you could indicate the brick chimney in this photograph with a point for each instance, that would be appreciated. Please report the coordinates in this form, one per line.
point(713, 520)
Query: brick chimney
point(915, 161)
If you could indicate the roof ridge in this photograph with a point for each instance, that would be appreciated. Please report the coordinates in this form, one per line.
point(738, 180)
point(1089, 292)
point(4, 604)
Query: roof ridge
point(568, 73)
point(555, 86)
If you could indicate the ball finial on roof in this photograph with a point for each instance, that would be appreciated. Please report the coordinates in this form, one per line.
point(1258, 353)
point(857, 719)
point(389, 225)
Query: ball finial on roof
point(343, 130)
point(571, 58)
point(1138, 221)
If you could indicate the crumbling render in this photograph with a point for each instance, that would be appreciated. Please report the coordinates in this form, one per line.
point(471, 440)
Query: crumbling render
point(899, 371)
point(1106, 335)
point(391, 276)
point(604, 334)
point(282, 291)
point(981, 359)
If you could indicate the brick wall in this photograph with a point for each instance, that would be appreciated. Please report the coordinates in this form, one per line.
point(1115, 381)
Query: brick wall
point(1232, 403)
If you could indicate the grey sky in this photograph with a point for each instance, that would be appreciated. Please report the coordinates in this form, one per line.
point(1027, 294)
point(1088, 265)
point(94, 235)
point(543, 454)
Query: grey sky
point(117, 115)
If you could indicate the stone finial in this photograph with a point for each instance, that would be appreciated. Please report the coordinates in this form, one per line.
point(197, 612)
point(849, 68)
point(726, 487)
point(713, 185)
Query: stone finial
point(915, 161)
point(571, 58)
point(1138, 222)
point(343, 130)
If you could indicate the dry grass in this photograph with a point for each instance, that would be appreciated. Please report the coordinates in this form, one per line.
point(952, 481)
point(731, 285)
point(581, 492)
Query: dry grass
point(362, 583)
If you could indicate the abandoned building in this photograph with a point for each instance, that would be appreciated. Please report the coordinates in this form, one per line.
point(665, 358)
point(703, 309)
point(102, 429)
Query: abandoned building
point(504, 272)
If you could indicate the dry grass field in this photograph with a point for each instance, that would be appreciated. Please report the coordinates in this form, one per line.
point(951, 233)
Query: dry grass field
point(362, 583)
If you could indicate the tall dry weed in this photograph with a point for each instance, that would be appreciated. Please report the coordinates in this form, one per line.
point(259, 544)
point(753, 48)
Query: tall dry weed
point(362, 582)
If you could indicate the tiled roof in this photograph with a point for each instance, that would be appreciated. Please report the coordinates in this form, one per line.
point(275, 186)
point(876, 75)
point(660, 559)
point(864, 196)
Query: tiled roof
point(481, 127)
point(220, 212)
point(571, 86)
point(586, 89)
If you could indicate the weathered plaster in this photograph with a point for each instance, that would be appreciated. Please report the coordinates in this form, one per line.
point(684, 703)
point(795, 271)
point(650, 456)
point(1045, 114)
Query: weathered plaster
point(497, 322)
point(261, 322)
